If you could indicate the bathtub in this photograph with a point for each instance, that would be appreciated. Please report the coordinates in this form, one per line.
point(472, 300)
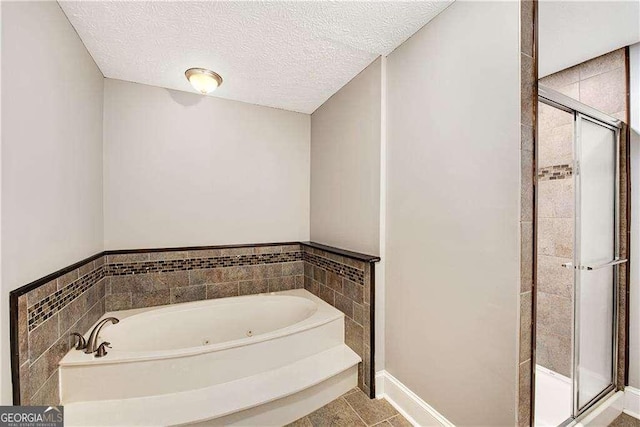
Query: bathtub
point(167, 356)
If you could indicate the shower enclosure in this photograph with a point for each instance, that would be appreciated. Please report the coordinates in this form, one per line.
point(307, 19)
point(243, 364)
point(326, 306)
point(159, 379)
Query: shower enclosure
point(577, 191)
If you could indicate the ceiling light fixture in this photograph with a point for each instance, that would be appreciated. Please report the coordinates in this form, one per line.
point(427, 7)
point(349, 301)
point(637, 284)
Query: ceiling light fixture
point(203, 80)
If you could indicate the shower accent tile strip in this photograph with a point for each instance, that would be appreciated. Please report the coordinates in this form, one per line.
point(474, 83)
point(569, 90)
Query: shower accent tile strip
point(550, 173)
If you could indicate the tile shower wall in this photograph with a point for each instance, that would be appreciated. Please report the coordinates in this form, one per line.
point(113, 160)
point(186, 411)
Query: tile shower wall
point(555, 240)
point(46, 317)
point(345, 283)
point(600, 83)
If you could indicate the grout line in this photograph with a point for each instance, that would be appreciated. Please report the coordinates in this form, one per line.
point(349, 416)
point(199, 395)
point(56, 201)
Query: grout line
point(393, 416)
point(43, 384)
point(353, 390)
point(581, 79)
point(61, 336)
point(48, 348)
point(354, 410)
point(83, 315)
point(59, 309)
point(358, 414)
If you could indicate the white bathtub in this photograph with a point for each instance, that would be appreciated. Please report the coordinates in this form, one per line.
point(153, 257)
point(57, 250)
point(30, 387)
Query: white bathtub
point(171, 355)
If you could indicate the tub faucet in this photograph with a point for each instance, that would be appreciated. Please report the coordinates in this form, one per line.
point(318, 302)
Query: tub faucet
point(93, 338)
point(81, 343)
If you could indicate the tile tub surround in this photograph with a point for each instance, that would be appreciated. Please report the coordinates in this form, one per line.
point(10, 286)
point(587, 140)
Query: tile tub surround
point(45, 312)
point(68, 301)
point(147, 279)
point(347, 284)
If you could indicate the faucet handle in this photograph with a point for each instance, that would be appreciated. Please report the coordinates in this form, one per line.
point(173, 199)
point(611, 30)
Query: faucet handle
point(102, 351)
point(81, 343)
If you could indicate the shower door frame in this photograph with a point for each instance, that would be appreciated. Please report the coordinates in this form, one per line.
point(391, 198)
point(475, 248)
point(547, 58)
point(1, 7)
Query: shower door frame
point(577, 409)
point(580, 112)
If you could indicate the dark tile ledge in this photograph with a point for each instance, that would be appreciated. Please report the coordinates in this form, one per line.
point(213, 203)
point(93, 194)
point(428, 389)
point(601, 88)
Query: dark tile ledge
point(37, 283)
point(343, 252)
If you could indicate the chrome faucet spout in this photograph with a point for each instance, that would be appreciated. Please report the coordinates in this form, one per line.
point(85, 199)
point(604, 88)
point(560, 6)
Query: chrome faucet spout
point(93, 338)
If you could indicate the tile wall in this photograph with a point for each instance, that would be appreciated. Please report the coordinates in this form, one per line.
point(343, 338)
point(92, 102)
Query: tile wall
point(46, 317)
point(345, 283)
point(555, 240)
point(528, 95)
point(74, 301)
point(159, 278)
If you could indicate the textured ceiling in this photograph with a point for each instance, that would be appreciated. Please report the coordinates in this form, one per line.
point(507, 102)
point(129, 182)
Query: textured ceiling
point(287, 54)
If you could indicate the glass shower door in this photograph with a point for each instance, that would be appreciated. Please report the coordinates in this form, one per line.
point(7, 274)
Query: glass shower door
point(596, 260)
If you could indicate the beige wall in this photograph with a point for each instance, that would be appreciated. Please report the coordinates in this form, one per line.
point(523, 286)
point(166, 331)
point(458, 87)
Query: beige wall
point(51, 151)
point(181, 169)
point(345, 165)
point(572, 32)
point(452, 221)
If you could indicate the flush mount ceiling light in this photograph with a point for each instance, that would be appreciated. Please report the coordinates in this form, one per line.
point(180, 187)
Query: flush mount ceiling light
point(203, 80)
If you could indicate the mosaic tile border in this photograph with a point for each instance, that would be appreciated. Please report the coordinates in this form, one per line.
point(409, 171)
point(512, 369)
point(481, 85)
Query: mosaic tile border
point(351, 273)
point(186, 264)
point(53, 303)
point(550, 173)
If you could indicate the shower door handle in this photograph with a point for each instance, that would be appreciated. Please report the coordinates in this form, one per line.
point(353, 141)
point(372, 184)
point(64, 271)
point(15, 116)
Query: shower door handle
point(599, 266)
point(594, 267)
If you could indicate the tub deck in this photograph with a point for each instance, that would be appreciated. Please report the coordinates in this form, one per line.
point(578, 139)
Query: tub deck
point(271, 378)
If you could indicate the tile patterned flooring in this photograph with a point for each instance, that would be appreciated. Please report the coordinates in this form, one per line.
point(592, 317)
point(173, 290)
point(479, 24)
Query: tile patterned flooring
point(355, 409)
point(625, 420)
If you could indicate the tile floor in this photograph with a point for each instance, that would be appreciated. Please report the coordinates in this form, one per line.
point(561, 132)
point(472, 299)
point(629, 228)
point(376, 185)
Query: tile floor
point(354, 409)
point(625, 420)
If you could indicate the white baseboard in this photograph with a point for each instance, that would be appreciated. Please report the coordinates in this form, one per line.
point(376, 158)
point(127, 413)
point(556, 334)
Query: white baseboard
point(411, 406)
point(420, 413)
point(632, 402)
